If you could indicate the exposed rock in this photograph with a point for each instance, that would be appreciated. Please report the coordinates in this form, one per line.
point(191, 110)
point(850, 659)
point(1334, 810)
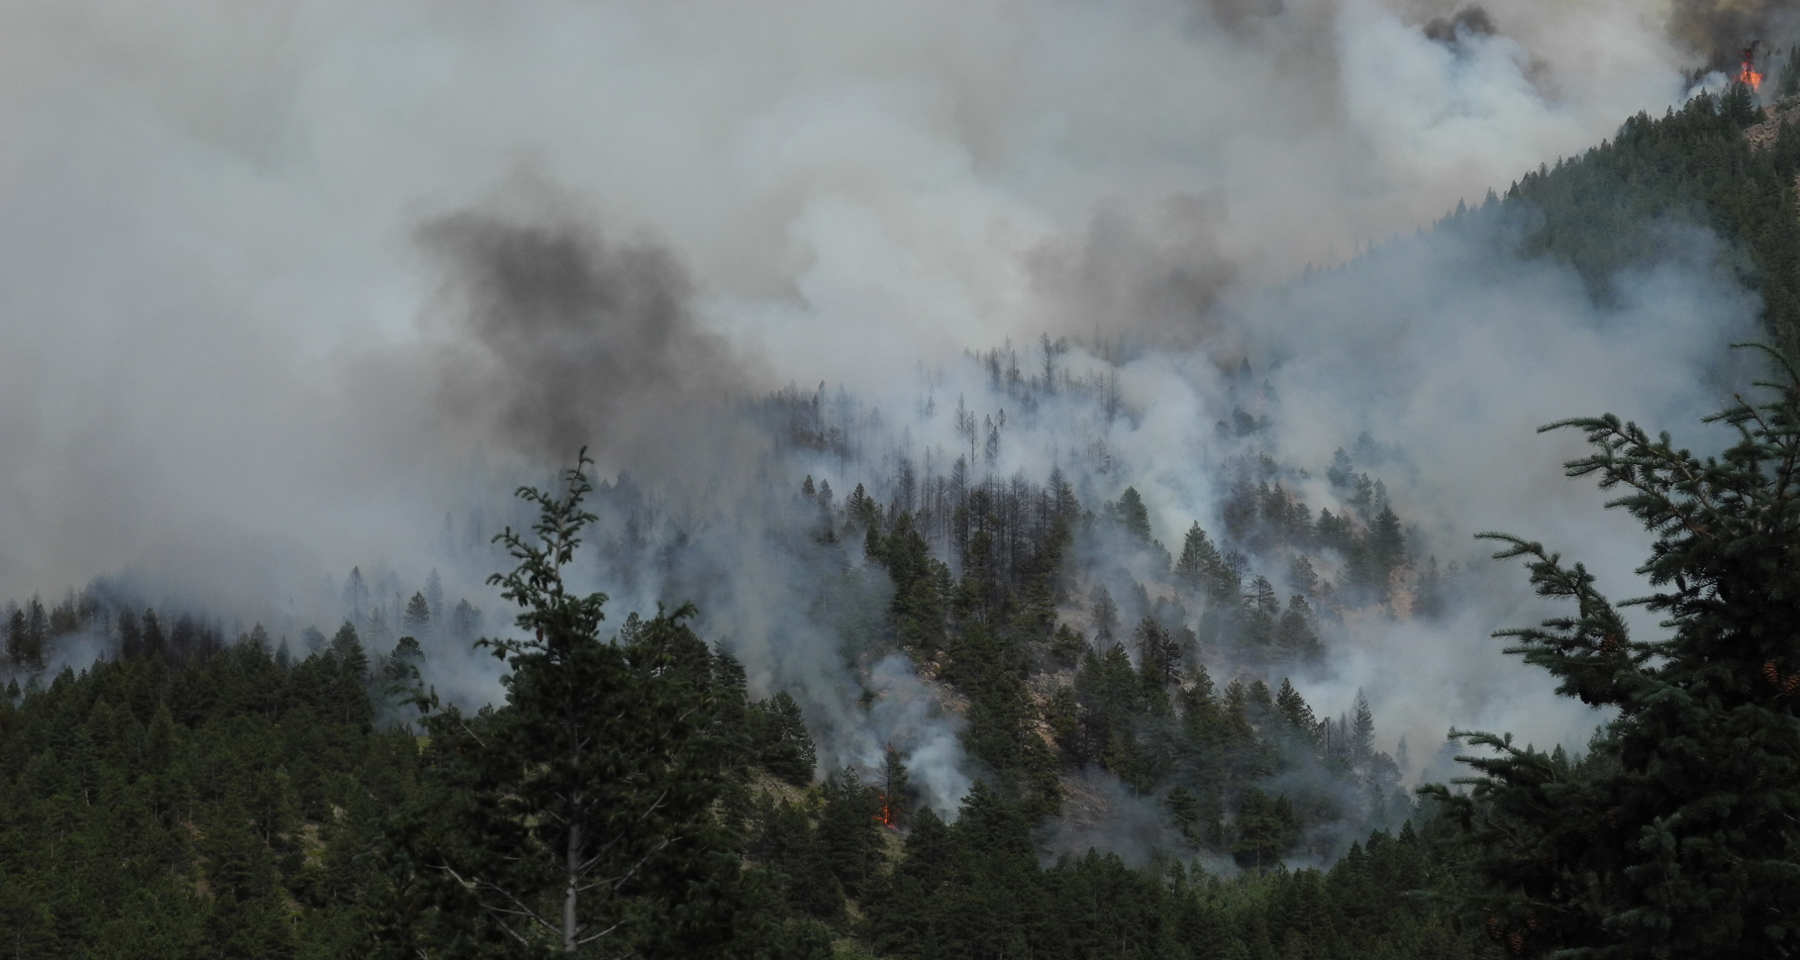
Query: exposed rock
point(1780, 113)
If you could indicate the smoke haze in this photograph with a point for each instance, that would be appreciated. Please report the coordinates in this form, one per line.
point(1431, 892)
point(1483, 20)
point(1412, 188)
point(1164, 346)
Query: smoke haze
point(285, 284)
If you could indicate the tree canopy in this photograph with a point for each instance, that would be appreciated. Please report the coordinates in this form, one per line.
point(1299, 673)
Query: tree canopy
point(1678, 834)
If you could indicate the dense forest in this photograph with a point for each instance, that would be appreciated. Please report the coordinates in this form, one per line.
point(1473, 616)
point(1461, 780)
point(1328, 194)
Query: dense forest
point(186, 790)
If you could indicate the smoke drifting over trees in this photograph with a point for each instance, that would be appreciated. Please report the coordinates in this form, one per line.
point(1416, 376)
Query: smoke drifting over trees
point(280, 304)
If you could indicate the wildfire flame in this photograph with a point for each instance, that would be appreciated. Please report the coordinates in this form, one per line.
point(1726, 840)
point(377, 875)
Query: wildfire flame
point(886, 816)
point(1748, 75)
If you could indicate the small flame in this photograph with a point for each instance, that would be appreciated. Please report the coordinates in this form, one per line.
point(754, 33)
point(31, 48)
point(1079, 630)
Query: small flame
point(886, 816)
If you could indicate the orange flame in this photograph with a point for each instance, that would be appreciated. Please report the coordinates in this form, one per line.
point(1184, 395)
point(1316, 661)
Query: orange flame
point(1748, 75)
point(886, 816)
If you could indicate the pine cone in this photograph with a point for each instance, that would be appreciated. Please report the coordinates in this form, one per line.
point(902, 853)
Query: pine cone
point(1773, 674)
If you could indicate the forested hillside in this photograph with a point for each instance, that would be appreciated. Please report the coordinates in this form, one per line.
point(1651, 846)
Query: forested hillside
point(1633, 201)
point(192, 795)
point(175, 789)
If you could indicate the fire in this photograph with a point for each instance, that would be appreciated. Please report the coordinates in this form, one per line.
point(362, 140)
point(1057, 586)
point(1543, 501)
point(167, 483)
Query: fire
point(886, 816)
point(1748, 75)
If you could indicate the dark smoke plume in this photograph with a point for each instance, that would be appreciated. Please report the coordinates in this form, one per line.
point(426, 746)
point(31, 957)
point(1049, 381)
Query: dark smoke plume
point(1719, 30)
point(572, 341)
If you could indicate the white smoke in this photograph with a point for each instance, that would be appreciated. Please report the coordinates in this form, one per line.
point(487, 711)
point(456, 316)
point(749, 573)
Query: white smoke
point(223, 368)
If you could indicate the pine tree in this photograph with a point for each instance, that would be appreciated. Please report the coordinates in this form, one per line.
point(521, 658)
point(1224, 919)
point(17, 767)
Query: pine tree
point(1362, 731)
point(574, 818)
point(1159, 655)
point(434, 596)
point(1340, 473)
point(1676, 835)
point(1106, 616)
point(356, 596)
point(782, 744)
point(1133, 515)
point(1294, 709)
point(850, 829)
point(1294, 633)
point(896, 799)
point(465, 621)
point(347, 647)
point(1199, 560)
point(417, 616)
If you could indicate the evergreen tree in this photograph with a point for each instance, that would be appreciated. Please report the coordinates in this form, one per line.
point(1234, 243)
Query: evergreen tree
point(896, 799)
point(1676, 835)
point(347, 647)
point(1294, 633)
point(1133, 515)
point(575, 817)
point(417, 616)
point(1340, 473)
point(783, 747)
point(1362, 731)
point(1198, 555)
point(1106, 616)
point(434, 596)
point(850, 830)
point(1294, 709)
point(1159, 655)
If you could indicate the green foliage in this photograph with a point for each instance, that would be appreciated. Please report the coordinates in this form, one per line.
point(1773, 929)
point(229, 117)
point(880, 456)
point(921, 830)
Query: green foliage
point(1266, 829)
point(158, 811)
point(575, 818)
point(779, 739)
point(975, 889)
point(787, 845)
point(1132, 514)
point(1675, 834)
point(1622, 205)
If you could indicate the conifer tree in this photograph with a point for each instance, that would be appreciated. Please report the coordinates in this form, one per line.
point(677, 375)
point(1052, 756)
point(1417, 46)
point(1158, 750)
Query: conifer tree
point(434, 595)
point(1294, 633)
point(1294, 709)
point(896, 801)
point(417, 616)
point(1133, 515)
point(1676, 835)
point(574, 818)
point(778, 731)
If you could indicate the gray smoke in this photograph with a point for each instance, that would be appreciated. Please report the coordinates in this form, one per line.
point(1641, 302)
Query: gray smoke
point(568, 341)
point(1471, 21)
point(265, 322)
point(1154, 280)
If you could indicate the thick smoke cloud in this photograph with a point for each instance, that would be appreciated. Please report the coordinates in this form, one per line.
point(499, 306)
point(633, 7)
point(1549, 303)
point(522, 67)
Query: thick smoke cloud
point(265, 322)
point(1153, 282)
point(568, 341)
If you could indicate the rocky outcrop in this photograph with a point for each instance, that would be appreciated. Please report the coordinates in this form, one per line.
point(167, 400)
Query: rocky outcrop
point(1781, 112)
